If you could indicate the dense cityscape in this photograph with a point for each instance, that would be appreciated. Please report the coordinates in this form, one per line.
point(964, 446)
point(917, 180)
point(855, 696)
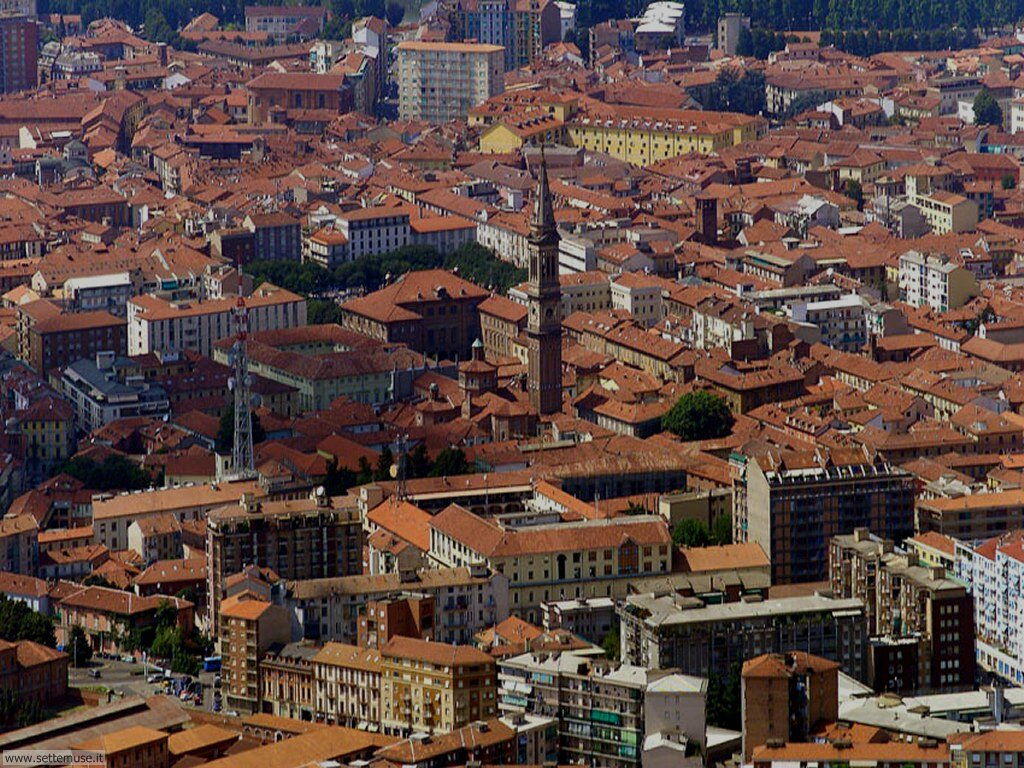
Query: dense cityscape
point(461, 383)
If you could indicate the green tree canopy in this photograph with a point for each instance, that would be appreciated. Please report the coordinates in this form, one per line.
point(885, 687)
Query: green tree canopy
point(19, 622)
point(691, 533)
point(78, 648)
point(115, 472)
point(699, 416)
point(322, 312)
point(394, 12)
point(853, 190)
point(450, 461)
point(610, 643)
point(986, 109)
point(721, 529)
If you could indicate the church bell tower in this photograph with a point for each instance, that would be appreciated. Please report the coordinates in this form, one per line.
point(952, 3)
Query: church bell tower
point(544, 304)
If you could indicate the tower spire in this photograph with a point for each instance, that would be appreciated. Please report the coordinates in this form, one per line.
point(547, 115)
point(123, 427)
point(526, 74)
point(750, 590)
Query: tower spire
point(542, 223)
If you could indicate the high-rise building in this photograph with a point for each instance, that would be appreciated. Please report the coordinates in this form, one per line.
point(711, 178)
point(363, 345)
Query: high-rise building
point(538, 23)
point(793, 502)
point(920, 621)
point(248, 628)
point(310, 538)
point(609, 714)
point(729, 27)
point(19, 38)
point(783, 697)
point(708, 639)
point(544, 300)
point(434, 687)
point(486, 21)
point(441, 82)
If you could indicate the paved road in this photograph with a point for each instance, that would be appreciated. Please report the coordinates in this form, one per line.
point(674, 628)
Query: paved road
point(130, 679)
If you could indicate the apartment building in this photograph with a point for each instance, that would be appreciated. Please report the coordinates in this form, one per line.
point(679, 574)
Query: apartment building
point(106, 615)
point(937, 282)
point(347, 685)
point(113, 514)
point(283, 21)
point(101, 390)
point(313, 538)
point(784, 695)
point(706, 639)
point(993, 569)
point(999, 747)
point(972, 516)
point(466, 601)
point(441, 82)
point(433, 687)
point(729, 26)
point(248, 628)
point(487, 21)
point(947, 212)
point(49, 338)
point(19, 40)
point(156, 324)
point(537, 24)
point(276, 236)
point(793, 502)
point(605, 711)
point(407, 614)
point(645, 135)
point(357, 233)
point(590, 558)
point(286, 678)
point(920, 621)
point(842, 322)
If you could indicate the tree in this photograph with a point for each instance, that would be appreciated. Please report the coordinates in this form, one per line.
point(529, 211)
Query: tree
point(450, 461)
point(737, 93)
point(611, 644)
point(744, 42)
point(19, 622)
point(723, 699)
point(699, 416)
point(691, 533)
point(115, 472)
point(17, 712)
point(79, 648)
point(721, 529)
point(417, 463)
point(321, 312)
point(385, 460)
point(853, 190)
point(394, 12)
point(226, 432)
point(986, 109)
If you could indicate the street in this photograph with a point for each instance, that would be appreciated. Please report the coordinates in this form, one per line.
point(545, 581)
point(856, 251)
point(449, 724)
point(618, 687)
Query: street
point(129, 679)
